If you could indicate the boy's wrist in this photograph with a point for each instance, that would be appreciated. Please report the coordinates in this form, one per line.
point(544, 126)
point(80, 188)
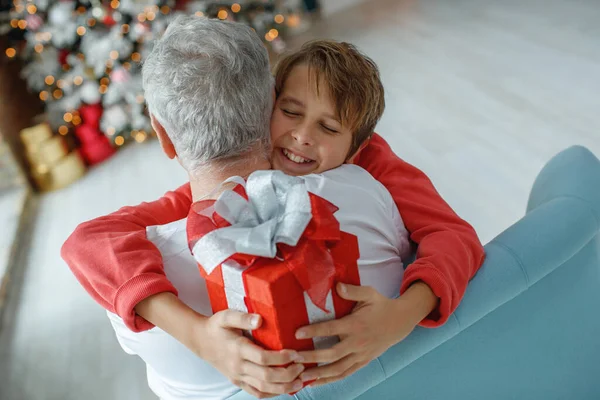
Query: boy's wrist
point(170, 314)
point(419, 301)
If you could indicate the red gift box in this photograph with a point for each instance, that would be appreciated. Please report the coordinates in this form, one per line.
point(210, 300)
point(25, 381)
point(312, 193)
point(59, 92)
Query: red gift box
point(295, 287)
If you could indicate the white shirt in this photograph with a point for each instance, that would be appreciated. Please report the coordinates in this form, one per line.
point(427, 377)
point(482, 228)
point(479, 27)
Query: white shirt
point(366, 209)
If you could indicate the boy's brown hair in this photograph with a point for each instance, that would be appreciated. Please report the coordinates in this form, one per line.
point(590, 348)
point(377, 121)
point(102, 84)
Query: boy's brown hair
point(352, 79)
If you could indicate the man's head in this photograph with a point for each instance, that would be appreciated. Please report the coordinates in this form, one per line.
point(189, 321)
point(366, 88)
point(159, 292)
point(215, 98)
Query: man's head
point(329, 99)
point(209, 88)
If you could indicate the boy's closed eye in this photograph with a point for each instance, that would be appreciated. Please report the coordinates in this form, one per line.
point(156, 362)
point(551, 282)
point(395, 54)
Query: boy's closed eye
point(328, 129)
point(290, 113)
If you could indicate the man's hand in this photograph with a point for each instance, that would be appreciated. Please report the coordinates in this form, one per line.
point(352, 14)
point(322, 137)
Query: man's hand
point(219, 341)
point(375, 324)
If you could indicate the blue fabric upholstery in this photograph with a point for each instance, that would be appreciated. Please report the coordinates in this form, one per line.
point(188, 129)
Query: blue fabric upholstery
point(528, 326)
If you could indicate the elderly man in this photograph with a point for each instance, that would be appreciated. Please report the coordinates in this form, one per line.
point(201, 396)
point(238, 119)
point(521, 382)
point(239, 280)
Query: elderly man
point(210, 95)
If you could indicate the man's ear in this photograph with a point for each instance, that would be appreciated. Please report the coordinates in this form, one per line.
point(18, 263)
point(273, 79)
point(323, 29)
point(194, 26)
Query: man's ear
point(163, 138)
point(357, 152)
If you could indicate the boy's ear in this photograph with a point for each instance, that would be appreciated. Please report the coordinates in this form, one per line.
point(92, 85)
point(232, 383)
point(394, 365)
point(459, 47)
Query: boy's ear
point(163, 138)
point(357, 152)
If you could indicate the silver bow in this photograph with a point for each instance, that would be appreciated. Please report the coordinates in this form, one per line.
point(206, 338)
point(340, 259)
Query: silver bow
point(278, 210)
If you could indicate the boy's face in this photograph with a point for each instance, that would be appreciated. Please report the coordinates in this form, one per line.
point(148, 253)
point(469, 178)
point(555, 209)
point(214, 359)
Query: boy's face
point(306, 135)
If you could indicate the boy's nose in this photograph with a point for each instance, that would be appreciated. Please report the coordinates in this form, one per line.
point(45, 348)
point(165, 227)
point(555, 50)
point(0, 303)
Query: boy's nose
point(303, 136)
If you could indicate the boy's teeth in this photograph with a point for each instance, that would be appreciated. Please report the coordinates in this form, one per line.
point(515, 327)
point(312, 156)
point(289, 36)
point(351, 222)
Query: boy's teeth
point(295, 158)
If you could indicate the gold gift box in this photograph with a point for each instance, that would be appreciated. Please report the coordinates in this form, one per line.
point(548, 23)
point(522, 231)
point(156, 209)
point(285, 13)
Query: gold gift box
point(63, 173)
point(33, 137)
point(49, 152)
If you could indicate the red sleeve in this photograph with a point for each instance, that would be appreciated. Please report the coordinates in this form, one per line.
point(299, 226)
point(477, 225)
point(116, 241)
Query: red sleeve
point(449, 251)
point(115, 262)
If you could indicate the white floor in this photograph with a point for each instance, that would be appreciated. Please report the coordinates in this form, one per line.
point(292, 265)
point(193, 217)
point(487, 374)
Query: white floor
point(480, 94)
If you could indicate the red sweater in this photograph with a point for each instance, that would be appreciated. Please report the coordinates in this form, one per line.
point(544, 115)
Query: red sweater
point(118, 266)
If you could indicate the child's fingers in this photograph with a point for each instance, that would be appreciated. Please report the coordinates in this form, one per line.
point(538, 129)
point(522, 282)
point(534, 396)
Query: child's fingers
point(274, 388)
point(330, 355)
point(330, 370)
point(334, 327)
point(256, 354)
point(272, 374)
point(238, 320)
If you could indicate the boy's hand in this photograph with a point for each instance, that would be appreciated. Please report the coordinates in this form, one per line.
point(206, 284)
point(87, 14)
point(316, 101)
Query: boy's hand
point(375, 324)
point(218, 340)
point(244, 363)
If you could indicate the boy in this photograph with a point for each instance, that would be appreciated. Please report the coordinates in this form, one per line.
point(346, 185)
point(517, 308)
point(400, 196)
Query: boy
point(329, 100)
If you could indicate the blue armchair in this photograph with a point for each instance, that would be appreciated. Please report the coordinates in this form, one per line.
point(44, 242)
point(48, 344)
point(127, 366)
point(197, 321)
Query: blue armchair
point(529, 324)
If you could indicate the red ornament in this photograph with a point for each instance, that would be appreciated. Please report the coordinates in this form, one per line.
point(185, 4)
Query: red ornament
point(109, 20)
point(95, 146)
point(91, 114)
point(62, 56)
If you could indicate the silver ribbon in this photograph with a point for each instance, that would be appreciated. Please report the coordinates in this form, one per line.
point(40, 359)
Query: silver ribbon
point(277, 211)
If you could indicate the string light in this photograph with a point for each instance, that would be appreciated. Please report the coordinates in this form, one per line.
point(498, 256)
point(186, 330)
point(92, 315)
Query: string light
point(127, 66)
point(119, 140)
point(125, 28)
point(235, 7)
point(68, 117)
point(63, 130)
point(104, 81)
point(279, 18)
point(10, 52)
point(110, 131)
point(103, 89)
point(141, 17)
point(60, 84)
point(199, 14)
point(78, 80)
point(81, 30)
point(91, 22)
point(38, 48)
point(31, 9)
point(47, 36)
point(114, 55)
point(49, 80)
point(222, 14)
point(115, 4)
point(140, 137)
point(43, 95)
point(57, 94)
point(14, 23)
point(268, 37)
point(76, 120)
point(165, 10)
point(22, 24)
point(19, 8)
point(80, 56)
point(293, 21)
point(81, 9)
point(150, 16)
point(274, 33)
point(136, 57)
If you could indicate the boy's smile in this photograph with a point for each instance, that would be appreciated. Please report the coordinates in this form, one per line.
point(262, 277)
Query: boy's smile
point(307, 136)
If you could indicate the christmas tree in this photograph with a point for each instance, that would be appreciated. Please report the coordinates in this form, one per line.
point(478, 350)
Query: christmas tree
point(83, 57)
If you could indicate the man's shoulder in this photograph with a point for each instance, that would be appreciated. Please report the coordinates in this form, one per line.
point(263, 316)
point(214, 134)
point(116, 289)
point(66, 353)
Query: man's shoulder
point(170, 238)
point(348, 176)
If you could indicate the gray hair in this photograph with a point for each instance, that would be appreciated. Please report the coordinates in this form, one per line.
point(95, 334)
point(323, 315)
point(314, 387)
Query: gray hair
point(208, 82)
